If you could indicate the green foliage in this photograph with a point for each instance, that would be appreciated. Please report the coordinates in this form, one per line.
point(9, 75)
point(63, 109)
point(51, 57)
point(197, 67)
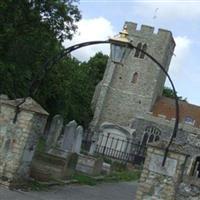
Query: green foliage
point(118, 166)
point(31, 32)
point(84, 179)
point(69, 88)
point(168, 92)
point(113, 177)
point(41, 145)
point(123, 176)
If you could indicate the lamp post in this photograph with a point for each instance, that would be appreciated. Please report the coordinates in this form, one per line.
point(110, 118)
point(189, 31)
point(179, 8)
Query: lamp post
point(120, 49)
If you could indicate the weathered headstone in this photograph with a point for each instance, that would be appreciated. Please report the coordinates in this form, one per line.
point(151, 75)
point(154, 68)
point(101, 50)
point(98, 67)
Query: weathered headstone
point(78, 139)
point(54, 131)
point(69, 136)
point(89, 164)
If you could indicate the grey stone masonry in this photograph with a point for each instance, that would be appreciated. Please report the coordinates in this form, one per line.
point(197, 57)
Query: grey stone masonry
point(78, 140)
point(54, 131)
point(69, 136)
point(18, 140)
point(117, 98)
point(159, 182)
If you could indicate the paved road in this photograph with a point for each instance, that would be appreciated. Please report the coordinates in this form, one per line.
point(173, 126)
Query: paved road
point(107, 191)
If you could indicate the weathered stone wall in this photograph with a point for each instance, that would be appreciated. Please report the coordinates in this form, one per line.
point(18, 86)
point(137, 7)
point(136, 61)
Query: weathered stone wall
point(189, 189)
point(161, 182)
point(18, 140)
point(89, 165)
point(188, 135)
point(118, 94)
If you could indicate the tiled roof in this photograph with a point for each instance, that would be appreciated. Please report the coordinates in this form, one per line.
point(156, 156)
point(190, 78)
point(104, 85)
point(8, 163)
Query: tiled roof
point(166, 106)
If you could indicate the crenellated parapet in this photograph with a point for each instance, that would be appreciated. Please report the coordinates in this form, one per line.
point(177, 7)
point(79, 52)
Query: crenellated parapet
point(134, 29)
point(162, 119)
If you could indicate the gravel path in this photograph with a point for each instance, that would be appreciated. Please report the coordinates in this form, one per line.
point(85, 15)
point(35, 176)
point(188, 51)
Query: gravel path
point(106, 191)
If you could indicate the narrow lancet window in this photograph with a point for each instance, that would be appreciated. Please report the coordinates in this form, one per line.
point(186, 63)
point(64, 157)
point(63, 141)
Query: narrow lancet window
point(135, 77)
point(139, 46)
point(144, 48)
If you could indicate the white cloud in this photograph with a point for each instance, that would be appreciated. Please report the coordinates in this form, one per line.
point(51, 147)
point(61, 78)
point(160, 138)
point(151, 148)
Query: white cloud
point(90, 30)
point(181, 54)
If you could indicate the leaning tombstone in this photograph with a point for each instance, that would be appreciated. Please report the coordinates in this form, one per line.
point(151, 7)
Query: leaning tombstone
point(54, 132)
point(69, 136)
point(78, 140)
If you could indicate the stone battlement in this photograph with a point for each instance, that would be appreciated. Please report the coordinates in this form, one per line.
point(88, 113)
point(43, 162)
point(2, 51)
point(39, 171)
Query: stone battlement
point(146, 29)
point(133, 28)
point(170, 122)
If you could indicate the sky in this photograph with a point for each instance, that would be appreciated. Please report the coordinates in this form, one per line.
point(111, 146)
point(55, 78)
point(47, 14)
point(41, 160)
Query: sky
point(102, 19)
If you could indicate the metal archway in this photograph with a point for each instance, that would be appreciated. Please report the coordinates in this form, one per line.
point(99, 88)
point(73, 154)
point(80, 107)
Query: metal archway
point(47, 66)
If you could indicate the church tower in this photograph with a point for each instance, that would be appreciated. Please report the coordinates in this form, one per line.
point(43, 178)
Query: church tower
point(130, 89)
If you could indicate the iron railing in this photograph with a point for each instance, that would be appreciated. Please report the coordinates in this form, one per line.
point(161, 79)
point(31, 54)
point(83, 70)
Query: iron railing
point(121, 149)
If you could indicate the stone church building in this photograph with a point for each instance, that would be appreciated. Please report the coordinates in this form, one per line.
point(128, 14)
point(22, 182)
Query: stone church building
point(128, 102)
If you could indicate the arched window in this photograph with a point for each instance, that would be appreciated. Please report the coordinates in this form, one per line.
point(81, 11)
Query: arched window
point(196, 168)
point(189, 120)
point(137, 52)
point(135, 77)
point(145, 139)
point(151, 134)
point(151, 138)
point(144, 48)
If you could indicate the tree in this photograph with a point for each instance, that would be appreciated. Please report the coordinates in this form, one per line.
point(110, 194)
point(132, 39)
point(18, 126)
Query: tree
point(168, 92)
point(31, 31)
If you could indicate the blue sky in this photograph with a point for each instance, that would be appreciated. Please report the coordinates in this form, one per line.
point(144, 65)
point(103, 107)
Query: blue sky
point(103, 19)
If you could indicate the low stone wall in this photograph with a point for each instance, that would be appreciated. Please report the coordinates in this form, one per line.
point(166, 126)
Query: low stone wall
point(89, 165)
point(18, 138)
point(160, 182)
point(189, 189)
point(46, 167)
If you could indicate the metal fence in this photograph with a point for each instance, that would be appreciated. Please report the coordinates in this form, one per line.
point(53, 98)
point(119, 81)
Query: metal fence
point(119, 148)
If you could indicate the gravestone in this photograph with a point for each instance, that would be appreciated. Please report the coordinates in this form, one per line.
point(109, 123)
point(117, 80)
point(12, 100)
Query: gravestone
point(54, 131)
point(78, 139)
point(69, 136)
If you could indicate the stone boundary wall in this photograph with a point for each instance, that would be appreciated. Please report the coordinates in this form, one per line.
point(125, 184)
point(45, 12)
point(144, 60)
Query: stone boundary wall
point(18, 140)
point(161, 119)
point(189, 189)
point(157, 182)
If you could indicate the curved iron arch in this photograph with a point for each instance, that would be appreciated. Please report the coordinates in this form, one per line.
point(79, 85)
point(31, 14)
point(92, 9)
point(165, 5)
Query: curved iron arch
point(47, 66)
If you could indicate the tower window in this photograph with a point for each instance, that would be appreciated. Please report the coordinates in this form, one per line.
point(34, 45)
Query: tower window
point(137, 53)
point(142, 47)
point(134, 78)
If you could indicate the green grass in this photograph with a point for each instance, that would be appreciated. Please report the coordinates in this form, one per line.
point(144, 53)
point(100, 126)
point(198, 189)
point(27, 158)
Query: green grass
point(40, 147)
point(123, 176)
point(84, 179)
point(113, 177)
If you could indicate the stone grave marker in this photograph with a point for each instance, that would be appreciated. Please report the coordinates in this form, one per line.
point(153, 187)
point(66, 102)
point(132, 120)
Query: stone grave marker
point(54, 131)
point(69, 136)
point(78, 139)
